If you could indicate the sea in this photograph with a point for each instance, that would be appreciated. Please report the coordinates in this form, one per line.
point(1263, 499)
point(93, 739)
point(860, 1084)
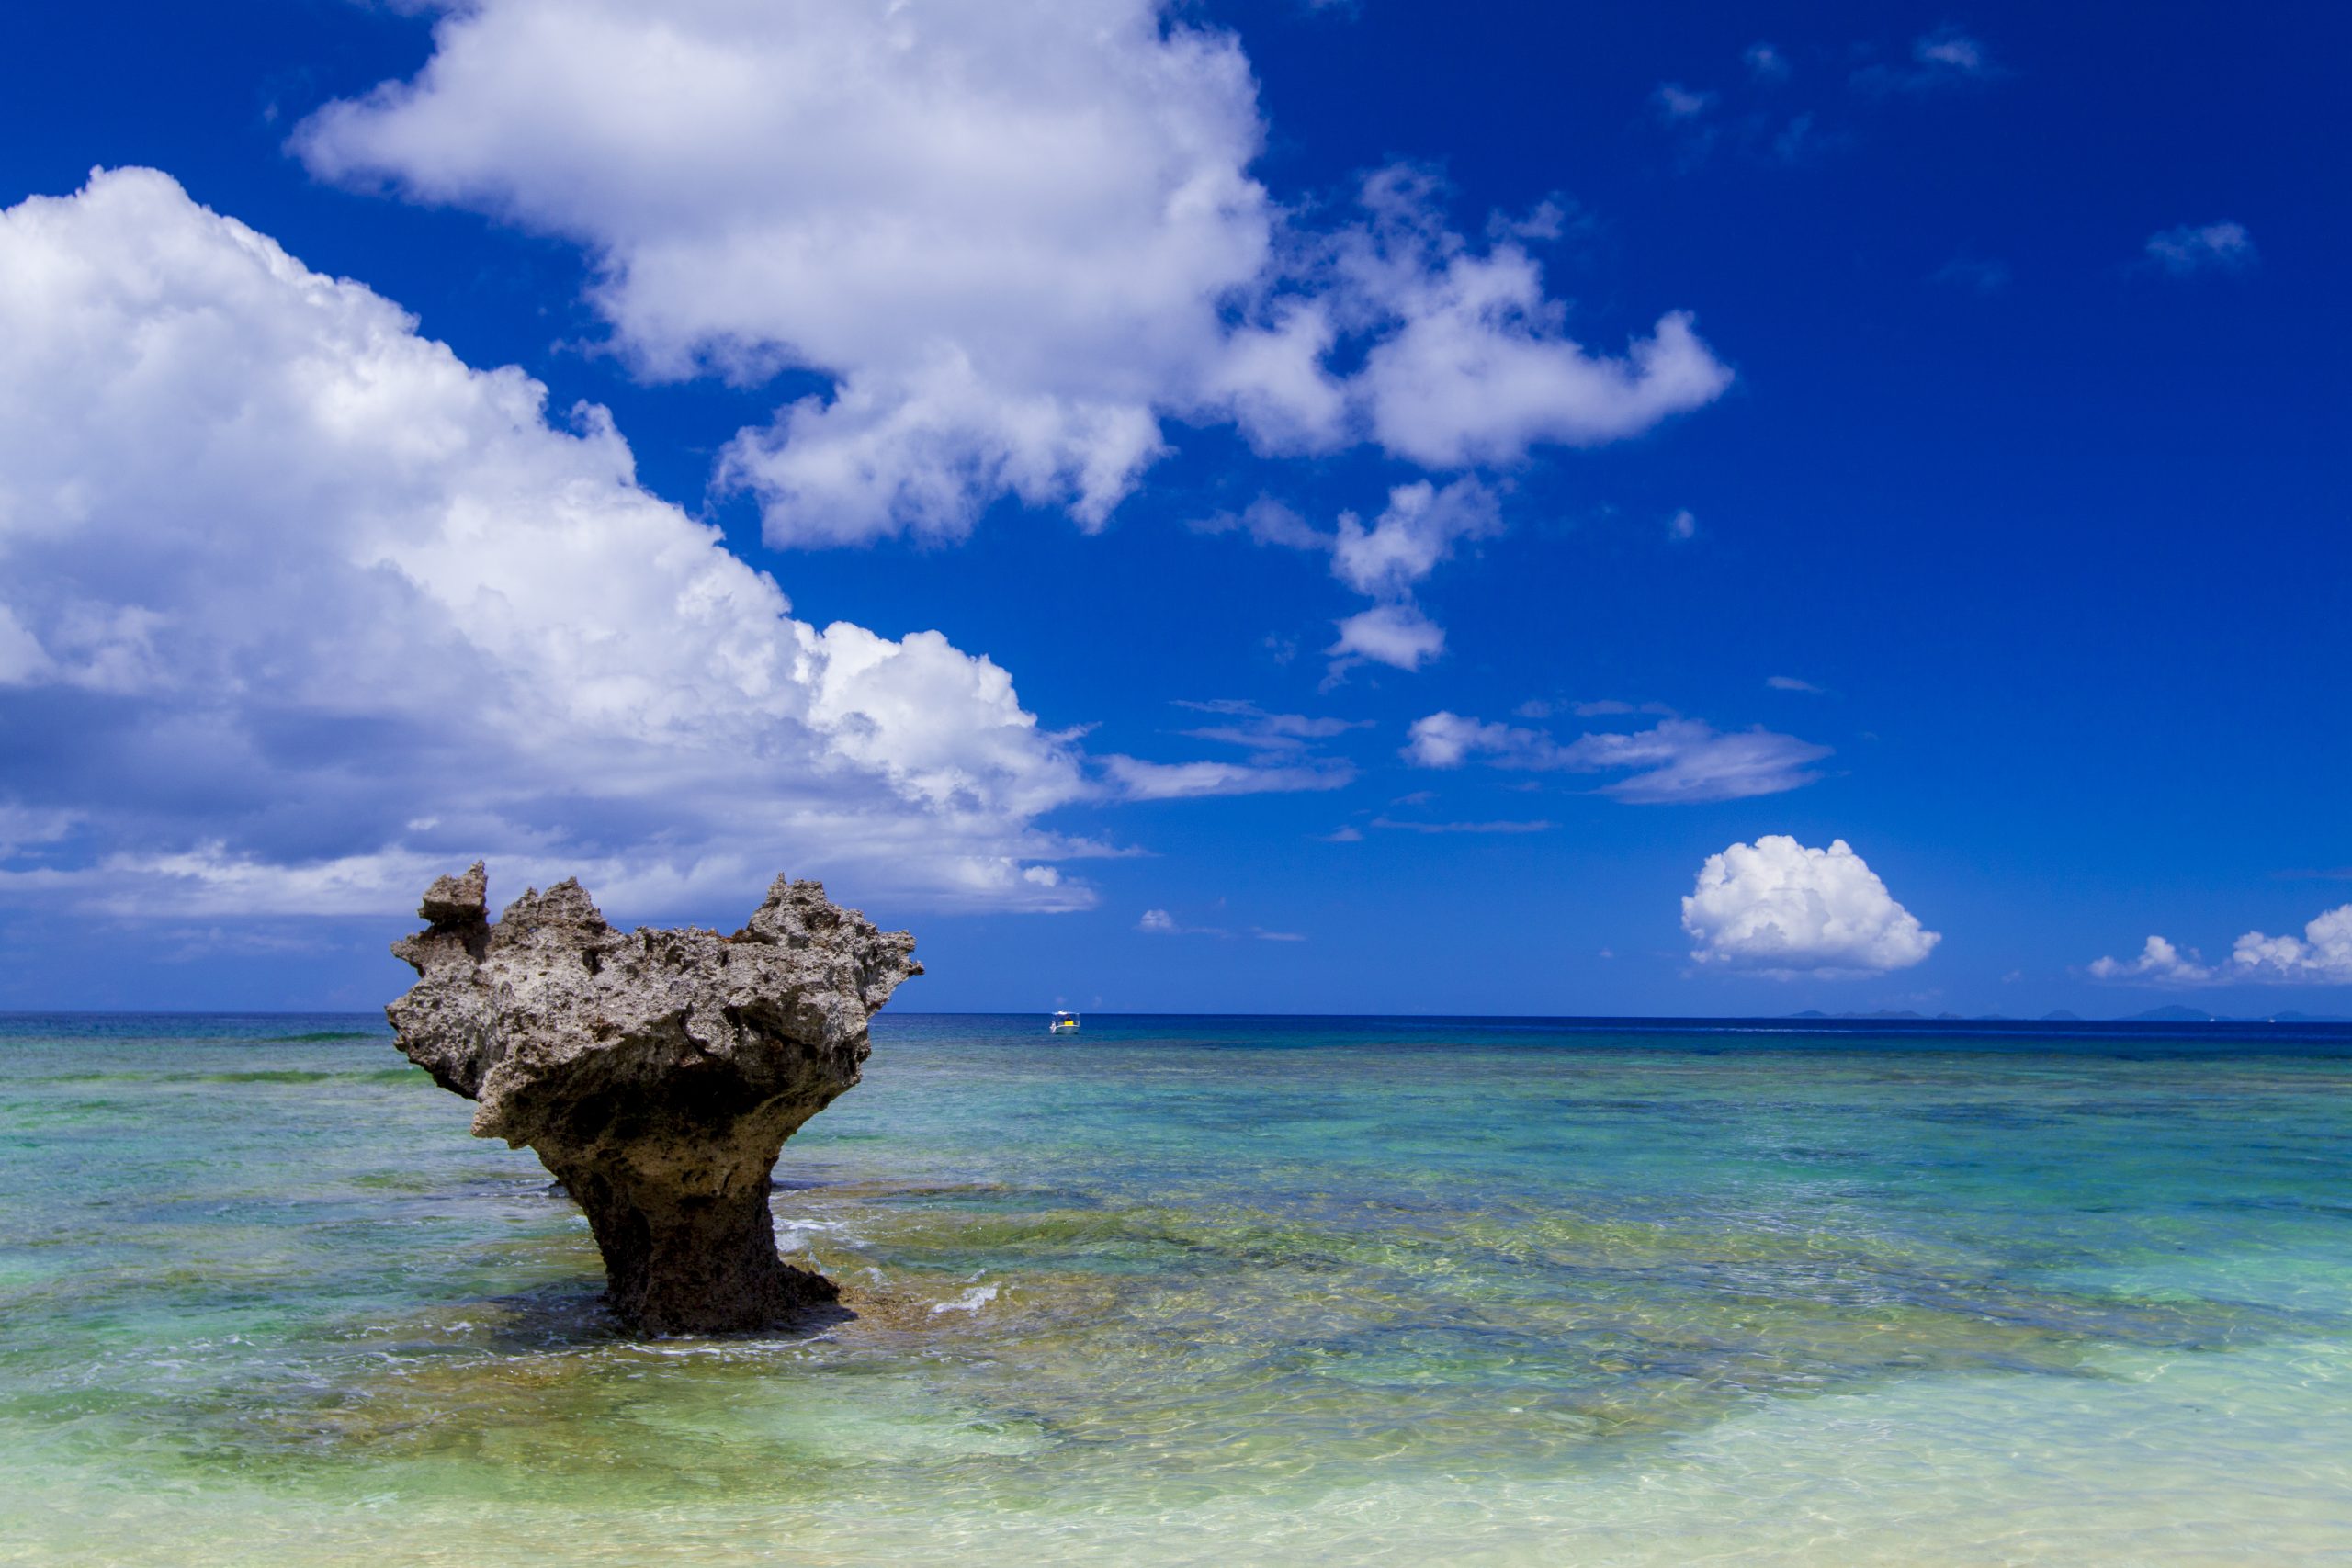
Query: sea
point(1212, 1290)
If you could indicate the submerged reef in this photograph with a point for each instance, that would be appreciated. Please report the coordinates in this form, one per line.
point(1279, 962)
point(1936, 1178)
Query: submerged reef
point(656, 1073)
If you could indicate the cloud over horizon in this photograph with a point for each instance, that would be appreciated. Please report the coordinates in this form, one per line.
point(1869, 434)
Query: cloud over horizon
point(1779, 907)
point(2321, 956)
point(311, 611)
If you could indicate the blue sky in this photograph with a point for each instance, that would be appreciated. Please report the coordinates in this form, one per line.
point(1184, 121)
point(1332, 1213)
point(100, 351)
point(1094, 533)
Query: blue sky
point(1351, 508)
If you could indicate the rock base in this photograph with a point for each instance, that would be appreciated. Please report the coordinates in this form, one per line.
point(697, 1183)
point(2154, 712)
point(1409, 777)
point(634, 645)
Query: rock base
point(678, 1264)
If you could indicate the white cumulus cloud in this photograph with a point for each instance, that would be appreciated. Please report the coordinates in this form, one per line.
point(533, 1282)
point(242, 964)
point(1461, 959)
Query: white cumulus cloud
point(1446, 739)
point(1396, 634)
point(2321, 956)
point(297, 609)
point(1779, 906)
point(1419, 527)
point(1014, 240)
point(2159, 961)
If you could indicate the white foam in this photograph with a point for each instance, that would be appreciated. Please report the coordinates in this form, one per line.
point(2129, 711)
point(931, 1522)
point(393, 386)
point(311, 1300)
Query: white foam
point(972, 1300)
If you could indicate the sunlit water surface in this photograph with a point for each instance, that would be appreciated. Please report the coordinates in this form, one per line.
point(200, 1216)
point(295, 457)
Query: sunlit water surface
point(1210, 1291)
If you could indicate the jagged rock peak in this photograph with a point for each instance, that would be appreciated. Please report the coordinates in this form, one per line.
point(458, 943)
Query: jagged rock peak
point(656, 1072)
point(457, 900)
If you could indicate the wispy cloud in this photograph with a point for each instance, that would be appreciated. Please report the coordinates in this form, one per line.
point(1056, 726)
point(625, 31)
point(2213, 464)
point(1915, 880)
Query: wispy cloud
point(1250, 726)
point(1977, 274)
point(1684, 760)
point(1676, 102)
point(1677, 760)
point(1801, 138)
point(1267, 521)
point(1688, 116)
point(1552, 218)
point(1949, 49)
point(22, 829)
point(1791, 684)
point(1944, 58)
point(1602, 707)
point(1136, 779)
point(2194, 248)
point(1538, 825)
point(1385, 561)
point(1283, 760)
point(1766, 63)
point(1159, 922)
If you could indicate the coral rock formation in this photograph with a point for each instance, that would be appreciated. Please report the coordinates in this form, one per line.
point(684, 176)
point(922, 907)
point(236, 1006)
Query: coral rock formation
point(656, 1073)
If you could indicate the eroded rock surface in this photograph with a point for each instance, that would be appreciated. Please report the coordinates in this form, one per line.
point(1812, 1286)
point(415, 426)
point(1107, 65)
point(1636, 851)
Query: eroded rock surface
point(656, 1073)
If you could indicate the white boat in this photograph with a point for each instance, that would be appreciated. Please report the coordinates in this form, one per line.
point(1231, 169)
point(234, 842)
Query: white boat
point(1062, 1024)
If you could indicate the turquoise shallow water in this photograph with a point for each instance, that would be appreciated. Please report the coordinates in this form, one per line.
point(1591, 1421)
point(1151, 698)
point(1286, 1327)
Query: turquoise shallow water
point(1211, 1291)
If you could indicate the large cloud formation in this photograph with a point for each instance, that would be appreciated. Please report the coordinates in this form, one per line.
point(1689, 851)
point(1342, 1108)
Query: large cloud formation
point(295, 607)
point(1781, 908)
point(2321, 956)
point(1014, 239)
